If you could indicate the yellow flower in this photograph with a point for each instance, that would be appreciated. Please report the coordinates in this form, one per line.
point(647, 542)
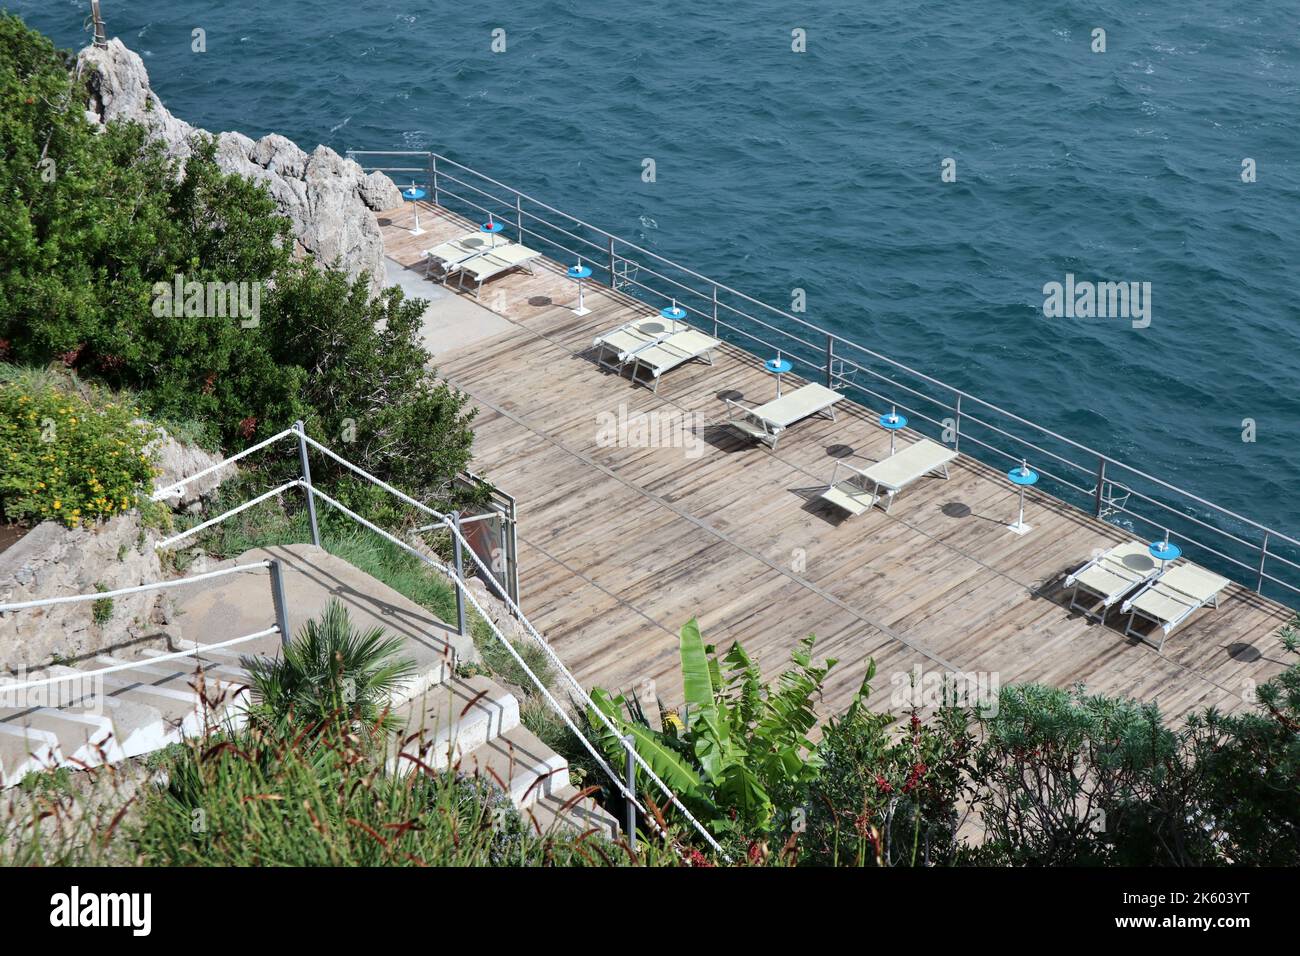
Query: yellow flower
point(57, 504)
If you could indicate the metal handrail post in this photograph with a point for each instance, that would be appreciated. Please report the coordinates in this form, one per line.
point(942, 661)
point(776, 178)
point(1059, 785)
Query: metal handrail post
point(956, 425)
point(830, 357)
point(1263, 556)
point(301, 429)
point(433, 177)
point(278, 602)
point(612, 283)
point(1101, 478)
point(460, 575)
point(629, 822)
point(715, 310)
point(519, 218)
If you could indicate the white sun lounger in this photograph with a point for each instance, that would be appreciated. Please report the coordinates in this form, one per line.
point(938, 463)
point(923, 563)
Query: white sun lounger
point(496, 261)
point(667, 353)
point(448, 256)
point(619, 344)
point(1111, 575)
point(891, 475)
point(767, 422)
point(851, 494)
point(1170, 598)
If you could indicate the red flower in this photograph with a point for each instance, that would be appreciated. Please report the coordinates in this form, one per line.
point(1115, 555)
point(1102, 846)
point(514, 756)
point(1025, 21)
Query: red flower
point(248, 426)
point(883, 784)
point(695, 858)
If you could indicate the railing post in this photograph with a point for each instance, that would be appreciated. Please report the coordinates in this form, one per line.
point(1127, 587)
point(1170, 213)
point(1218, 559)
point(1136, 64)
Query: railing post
point(830, 357)
point(306, 478)
point(1101, 478)
point(278, 602)
point(629, 823)
point(519, 218)
point(460, 573)
point(956, 426)
point(715, 310)
point(612, 285)
point(1263, 554)
point(433, 177)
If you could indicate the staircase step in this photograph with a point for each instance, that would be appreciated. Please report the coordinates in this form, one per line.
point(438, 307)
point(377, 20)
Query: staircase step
point(520, 764)
point(84, 738)
point(176, 702)
point(450, 720)
point(25, 750)
point(561, 811)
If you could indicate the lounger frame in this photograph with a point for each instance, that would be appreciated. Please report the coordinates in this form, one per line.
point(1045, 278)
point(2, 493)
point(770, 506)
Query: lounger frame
point(1107, 600)
point(1193, 604)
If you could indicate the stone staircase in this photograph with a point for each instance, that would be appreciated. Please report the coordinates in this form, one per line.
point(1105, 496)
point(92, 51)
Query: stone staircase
point(444, 721)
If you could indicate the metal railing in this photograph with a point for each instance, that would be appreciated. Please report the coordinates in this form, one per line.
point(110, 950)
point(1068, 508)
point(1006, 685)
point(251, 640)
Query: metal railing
point(1246, 550)
point(455, 573)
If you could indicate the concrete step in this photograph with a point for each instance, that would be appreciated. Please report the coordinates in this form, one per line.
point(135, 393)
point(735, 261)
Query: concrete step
point(448, 721)
point(224, 608)
point(182, 713)
point(565, 810)
point(25, 750)
point(520, 764)
point(75, 737)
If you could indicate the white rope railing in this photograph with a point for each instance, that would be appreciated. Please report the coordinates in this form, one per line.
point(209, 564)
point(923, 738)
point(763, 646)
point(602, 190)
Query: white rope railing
point(450, 524)
point(168, 542)
point(136, 589)
point(178, 487)
point(7, 688)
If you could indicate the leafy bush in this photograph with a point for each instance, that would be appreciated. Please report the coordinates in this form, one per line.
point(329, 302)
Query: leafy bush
point(742, 760)
point(66, 460)
point(331, 671)
point(97, 221)
point(886, 798)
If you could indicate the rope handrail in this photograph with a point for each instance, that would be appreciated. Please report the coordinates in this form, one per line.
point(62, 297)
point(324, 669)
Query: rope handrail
point(7, 688)
point(135, 589)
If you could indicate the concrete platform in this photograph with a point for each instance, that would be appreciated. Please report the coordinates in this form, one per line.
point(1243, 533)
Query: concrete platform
point(451, 321)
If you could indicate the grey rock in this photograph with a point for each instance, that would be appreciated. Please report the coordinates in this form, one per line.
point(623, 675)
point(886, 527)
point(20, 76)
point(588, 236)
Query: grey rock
point(329, 200)
point(176, 461)
point(53, 561)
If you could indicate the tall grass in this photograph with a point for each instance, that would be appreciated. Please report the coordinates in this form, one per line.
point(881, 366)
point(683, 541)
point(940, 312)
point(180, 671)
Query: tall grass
point(273, 795)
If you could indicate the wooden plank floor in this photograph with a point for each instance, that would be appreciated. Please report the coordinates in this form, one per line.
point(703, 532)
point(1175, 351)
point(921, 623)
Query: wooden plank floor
point(621, 545)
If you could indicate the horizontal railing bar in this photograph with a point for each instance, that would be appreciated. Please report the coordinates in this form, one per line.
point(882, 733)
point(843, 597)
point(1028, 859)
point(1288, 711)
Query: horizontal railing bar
point(135, 589)
point(176, 486)
point(168, 542)
point(132, 665)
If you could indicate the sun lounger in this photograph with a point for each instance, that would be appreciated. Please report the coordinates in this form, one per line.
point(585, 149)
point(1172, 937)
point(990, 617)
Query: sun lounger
point(891, 475)
point(767, 422)
point(496, 261)
point(1170, 598)
point(617, 346)
point(849, 495)
point(448, 256)
point(664, 355)
point(1111, 575)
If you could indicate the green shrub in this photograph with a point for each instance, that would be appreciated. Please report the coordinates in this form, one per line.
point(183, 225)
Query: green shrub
point(330, 671)
point(67, 461)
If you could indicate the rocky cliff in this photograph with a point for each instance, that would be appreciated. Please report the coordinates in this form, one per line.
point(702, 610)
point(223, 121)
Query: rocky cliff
point(329, 200)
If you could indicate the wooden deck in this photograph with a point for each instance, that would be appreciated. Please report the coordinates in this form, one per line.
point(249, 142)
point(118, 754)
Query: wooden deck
point(621, 545)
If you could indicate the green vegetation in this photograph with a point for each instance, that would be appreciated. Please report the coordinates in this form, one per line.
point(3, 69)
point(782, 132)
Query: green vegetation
point(101, 610)
point(66, 459)
point(270, 796)
point(99, 223)
point(331, 671)
point(741, 761)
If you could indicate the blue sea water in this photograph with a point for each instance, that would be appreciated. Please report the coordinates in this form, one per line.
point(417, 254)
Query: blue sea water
point(821, 171)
